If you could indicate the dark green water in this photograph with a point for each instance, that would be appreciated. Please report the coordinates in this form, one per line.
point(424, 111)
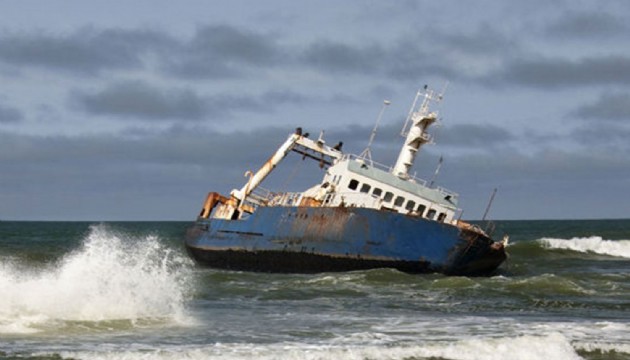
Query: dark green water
point(128, 291)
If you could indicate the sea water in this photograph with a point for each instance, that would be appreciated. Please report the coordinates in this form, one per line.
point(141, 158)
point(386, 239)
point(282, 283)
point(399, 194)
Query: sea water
point(129, 291)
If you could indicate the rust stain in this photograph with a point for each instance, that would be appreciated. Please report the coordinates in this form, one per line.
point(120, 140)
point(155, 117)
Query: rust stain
point(211, 202)
point(316, 224)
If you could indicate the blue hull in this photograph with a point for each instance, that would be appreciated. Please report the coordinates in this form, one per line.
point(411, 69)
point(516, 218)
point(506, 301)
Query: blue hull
point(320, 239)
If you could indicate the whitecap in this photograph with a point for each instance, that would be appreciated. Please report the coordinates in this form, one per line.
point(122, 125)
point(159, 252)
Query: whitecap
point(593, 244)
point(552, 346)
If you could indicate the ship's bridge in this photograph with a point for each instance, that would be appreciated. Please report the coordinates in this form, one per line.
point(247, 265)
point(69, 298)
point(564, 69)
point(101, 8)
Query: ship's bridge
point(369, 184)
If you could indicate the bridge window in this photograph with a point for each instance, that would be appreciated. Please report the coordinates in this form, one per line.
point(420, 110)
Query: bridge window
point(441, 217)
point(365, 188)
point(421, 209)
point(377, 192)
point(399, 201)
point(431, 214)
point(410, 205)
point(353, 185)
point(388, 197)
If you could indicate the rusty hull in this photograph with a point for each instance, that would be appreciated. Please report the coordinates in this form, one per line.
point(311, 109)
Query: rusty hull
point(318, 239)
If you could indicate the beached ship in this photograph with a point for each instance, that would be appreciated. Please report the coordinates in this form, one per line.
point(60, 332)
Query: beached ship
point(361, 215)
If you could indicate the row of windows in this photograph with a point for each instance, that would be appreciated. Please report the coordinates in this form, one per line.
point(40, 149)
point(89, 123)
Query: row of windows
point(398, 202)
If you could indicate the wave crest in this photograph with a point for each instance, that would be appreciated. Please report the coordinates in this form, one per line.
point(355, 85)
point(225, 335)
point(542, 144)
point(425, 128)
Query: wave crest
point(111, 277)
point(552, 346)
point(593, 244)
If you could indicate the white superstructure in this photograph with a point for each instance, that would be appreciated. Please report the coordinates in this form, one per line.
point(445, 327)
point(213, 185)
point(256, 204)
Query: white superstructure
point(352, 181)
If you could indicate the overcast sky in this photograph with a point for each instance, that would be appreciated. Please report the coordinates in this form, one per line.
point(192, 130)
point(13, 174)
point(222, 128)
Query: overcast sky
point(134, 110)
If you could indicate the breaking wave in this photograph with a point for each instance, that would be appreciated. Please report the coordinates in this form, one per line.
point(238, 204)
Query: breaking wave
point(593, 244)
point(551, 346)
point(112, 277)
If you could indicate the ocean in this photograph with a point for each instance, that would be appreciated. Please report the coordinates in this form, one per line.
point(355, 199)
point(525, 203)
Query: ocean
point(128, 290)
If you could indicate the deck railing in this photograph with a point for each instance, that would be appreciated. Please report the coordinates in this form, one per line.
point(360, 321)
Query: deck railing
point(264, 197)
point(388, 169)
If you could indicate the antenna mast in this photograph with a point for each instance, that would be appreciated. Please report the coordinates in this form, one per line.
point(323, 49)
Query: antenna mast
point(367, 154)
point(485, 214)
point(437, 171)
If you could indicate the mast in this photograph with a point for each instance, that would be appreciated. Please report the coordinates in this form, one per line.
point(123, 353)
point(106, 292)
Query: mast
point(494, 192)
point(367, 154)
point(418, 121)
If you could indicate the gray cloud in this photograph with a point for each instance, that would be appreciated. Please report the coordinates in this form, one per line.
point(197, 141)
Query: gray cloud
point(284, 97)
point(485, 136)
point(217, 51)
point(340, 57)
point(233, 44)
point(213, 52)
point(410, 61)
point(562, 73)
point(608, 107)
point(223, 51)
point(413, 55)
point(404, 59)
point(267, 102)
point(140, 100)
point(610, 137)
point(86, 51)
point(580, 25)
point(10, 115)
point(483, 41)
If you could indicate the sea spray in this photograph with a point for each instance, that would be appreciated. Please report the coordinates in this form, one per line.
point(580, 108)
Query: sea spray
point(110, 277)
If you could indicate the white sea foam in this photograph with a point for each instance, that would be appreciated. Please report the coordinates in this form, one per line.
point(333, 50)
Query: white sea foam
point(595, 244)
point(552, 346)
point(111, 277)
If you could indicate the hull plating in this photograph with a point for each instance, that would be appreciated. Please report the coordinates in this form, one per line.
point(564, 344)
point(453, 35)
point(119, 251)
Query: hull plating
point(315, 239)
